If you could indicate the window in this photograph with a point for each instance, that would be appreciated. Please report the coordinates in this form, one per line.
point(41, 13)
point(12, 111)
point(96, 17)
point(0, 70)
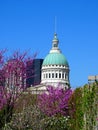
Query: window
point(46, 75)
point(49, 75)
point(55, 45)
point(56, 75)
point(52, 75)
point(59, 75)
point(63, 75)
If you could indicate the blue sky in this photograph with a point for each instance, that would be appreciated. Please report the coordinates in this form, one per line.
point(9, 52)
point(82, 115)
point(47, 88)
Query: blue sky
point(30, 25)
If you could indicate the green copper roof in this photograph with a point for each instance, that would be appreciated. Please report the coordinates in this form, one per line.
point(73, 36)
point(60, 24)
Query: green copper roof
point(55, 59)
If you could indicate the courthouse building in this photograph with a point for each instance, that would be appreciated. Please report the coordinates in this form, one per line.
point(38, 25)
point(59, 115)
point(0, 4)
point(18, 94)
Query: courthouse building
point(54, 68)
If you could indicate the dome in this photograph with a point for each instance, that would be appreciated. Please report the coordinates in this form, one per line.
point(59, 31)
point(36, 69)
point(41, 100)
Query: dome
point(55, 59)
point(55, 68)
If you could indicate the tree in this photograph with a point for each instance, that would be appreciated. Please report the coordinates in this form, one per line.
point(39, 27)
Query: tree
point(55, 101)
point(76, 120)
point(29, 119)
point(12, 82)
point(90, 98)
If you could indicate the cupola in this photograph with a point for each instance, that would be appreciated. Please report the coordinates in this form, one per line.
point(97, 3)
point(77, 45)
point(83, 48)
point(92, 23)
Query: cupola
point(55, 67)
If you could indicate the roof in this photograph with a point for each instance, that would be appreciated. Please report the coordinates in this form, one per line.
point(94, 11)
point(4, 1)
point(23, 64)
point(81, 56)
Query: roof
point(55, 59)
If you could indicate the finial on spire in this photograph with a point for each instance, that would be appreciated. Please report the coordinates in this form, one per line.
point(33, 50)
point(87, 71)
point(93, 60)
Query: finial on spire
point(55, 37)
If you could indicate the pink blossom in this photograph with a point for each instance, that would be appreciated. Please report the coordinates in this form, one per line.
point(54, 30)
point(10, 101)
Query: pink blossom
point(55, 101)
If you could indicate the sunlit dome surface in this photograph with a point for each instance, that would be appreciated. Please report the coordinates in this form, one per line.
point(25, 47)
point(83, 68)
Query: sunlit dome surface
point(55, 59)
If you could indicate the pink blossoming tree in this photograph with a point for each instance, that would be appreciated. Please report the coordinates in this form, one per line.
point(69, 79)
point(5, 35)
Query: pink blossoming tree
point(55, 101)
point(12, 82)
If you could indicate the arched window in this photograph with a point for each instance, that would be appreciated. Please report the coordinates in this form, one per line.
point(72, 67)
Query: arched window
point(49, 75)
point(59, 75)
point(46, 75)
point(52, 75)
point(56, 75)
point(62, 75)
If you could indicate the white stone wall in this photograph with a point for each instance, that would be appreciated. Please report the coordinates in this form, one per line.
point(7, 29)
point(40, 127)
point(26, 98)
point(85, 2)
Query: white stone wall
point(55, 74)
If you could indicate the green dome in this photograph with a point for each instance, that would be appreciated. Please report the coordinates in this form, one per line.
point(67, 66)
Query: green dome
point(55, 59)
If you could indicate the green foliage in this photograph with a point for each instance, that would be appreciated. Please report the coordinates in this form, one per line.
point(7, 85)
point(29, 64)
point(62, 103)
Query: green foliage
point(28, 116)
point(24, 101)
point(28, 119)
point(54, 123)
point(83, 109)
point(5, 115)
point(76, 110)
point(32, 118)
point(90, 105)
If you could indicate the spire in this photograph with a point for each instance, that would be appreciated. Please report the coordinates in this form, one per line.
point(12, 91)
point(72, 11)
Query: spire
point(55, 24)
point(55, 40)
